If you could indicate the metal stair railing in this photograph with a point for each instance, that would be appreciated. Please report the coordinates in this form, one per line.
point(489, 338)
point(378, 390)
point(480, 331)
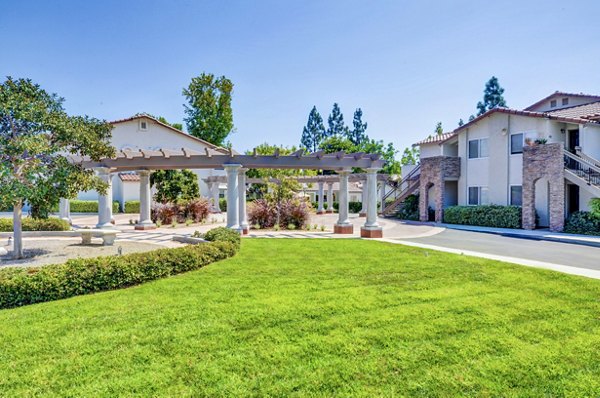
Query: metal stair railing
point(587, 157)
point(586, 170)
point(412, 180)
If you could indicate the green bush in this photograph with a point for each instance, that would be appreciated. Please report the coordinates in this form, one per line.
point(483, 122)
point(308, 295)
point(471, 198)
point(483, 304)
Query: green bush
point(132, 206)
point(353, 207)
point(595, 206)
point(22, 286)
point(223, 204)
point(223, 234)
point(88, 206)
point(583, 222)
point(485, 216)
point(33, 224)
point(409, 210)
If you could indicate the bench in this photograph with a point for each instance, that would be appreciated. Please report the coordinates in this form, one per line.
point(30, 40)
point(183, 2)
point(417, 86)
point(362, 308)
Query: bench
point(108, 236)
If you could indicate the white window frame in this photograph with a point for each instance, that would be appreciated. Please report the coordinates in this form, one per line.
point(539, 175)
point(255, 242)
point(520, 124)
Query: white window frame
point(510, 194)
point(479, 156)
point(482, 192)
point(565, 101)
point(141, 123)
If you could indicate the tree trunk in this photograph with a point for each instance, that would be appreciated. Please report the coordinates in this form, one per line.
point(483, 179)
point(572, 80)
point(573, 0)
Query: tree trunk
point(17, 230)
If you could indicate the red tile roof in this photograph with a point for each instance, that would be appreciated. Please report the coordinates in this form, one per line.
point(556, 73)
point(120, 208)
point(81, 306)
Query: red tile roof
point(562, 94)
point(586, 111)
point(129, 177)
point(432, 139)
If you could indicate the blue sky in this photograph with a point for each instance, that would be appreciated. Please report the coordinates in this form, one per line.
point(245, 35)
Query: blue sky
point(406, 64)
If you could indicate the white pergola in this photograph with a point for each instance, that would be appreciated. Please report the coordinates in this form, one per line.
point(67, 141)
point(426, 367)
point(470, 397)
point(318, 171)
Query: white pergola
point(235, 166)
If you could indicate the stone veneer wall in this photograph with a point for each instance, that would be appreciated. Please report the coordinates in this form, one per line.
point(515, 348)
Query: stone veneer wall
point(544, 161)
point(434, 171)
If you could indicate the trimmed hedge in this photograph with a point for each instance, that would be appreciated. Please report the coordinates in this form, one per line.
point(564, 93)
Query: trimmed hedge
point(22, 286)
point(583, 222)
point(353, 207)
point(131, 206)
point(223, 234)
point(88, 206)
point(33, 224)
point(223, 204)
point(485, 216)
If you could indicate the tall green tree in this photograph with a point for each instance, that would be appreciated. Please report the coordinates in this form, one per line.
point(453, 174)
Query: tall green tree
point(410, 156)
point(174, 185)
point(177, 126)
point(36, 138)
point(335, 121)
point(314, 131)
point(358, 134)
point(492, 96)
point(461, 122)
point(439, 130)
point(208, 111)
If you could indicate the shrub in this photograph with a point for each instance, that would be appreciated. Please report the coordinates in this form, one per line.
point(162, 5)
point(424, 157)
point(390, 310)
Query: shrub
point(33, 224)
point(223, 204)
point(292, 211)
point(196, 209)
point(353, 207)
point(22, 286)
point(88, 206)
point(583, 222)
point(409, 210)
point(223, 234)
point(164, 213)
point(132, 206)
point(595, 206)
point(485, 215)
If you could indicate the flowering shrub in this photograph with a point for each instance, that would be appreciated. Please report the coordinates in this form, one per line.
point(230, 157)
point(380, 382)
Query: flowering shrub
point(291, 212)
point(164, 213)
point(197, 209)
point(168, 213)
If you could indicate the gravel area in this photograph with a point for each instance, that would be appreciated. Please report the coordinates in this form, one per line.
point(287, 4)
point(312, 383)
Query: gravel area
point(45, 251)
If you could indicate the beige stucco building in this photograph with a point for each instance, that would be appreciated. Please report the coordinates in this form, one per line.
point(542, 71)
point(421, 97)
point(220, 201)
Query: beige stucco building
point(489, 152)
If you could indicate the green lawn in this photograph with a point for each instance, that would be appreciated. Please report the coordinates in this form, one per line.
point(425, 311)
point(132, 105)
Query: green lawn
point(319, 318)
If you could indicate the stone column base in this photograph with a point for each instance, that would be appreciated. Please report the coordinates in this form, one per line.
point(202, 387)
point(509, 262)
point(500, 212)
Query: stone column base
point(245, 231)
point(362, 214)
point(145, 227)
point(343, 229)
point(329, 211)
point(320, 211)
point(371, 232)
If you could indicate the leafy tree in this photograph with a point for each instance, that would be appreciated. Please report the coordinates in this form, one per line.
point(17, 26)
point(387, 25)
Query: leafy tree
point(492, 96)
point(439, 130)
point(471, 118)
point(388, 153)
point(277, 193)
point(461, 123)
point(174, 185)
point(337, 143)
point(358, 134)
point(410, 156)
point(314, 131)
point(209, 114)
point(336, 122)
point(36, 136)
point(177, 126)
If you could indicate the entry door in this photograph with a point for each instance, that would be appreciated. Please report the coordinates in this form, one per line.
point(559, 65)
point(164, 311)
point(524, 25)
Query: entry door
point(573, 198)
point(573, 140)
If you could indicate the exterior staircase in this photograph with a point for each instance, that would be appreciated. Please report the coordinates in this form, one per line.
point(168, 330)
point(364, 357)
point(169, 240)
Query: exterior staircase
point(583, 170)
point(406, 187)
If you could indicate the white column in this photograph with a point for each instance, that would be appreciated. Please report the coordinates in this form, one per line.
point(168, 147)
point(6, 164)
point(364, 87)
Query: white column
point(242, 200)
point(215, 196)
point(145, 202)
point(64, 210)
point(382, 196)
point(343, 225)
point(364, 200)
point(371, 229)
point(232, 196)
point(320, 208)
point(330, 197)
point(105, 201)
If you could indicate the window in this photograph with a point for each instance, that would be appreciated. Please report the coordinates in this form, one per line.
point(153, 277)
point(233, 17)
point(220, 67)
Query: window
point(143, 125)
point(565, 101)
point(478, 148)
point(516, 195)
point(553, 104)
point(478, 196)
point(516, 143)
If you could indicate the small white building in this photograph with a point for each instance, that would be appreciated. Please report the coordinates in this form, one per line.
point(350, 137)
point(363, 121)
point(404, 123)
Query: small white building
point(145, 132)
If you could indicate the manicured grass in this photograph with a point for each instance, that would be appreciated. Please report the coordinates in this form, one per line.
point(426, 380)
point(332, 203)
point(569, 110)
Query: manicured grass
point(316, 318)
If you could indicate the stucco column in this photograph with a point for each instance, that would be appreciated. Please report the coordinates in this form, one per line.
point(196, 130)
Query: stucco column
point(242, 200)
point(343, 225)
point(381, 196)
point(320, 208)
point(105, 201)
point(330, 198)
point(233, 221)
point(371, 229)
point(363, 200)
point(215, 197)
point(64, 210)
point(145, 202)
